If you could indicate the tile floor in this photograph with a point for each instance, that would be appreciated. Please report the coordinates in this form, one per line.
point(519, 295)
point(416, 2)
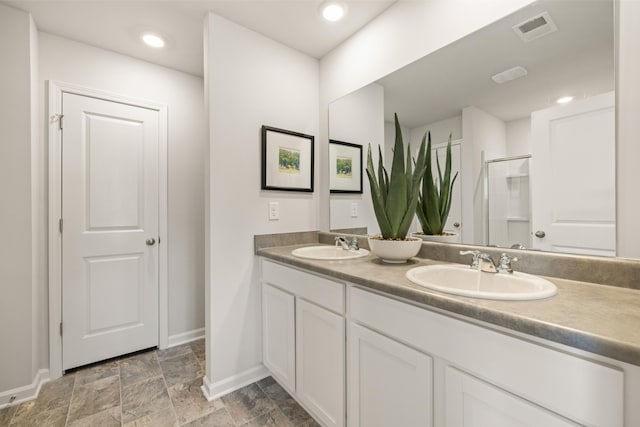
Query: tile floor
point(154, 388)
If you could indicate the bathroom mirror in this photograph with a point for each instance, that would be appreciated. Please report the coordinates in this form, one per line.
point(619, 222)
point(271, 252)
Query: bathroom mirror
point(495, 92)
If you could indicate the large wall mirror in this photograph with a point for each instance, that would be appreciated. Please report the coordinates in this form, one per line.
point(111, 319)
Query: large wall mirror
point(534, 173)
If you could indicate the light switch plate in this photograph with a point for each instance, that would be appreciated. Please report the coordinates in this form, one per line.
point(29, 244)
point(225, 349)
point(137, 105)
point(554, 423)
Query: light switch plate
point(354, 210)
point(274, 211)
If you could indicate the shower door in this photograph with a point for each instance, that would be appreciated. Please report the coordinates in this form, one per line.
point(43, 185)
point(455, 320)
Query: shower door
point(508, 202)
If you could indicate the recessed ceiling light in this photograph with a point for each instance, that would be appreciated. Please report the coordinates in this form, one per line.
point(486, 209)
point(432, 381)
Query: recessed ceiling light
point(332, 12)
point(153, 40)
point(564, 100)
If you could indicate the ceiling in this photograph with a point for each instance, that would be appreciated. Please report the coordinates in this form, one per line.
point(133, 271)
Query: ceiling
point(116, 25)
point(577, 59)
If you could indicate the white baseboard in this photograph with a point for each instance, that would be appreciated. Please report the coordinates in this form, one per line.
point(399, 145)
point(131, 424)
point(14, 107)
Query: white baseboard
point(185, 337)
point(215, 390)
point(24, 393)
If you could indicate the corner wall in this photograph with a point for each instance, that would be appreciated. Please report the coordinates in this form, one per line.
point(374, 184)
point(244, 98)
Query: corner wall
point(358, 118)
point(484, 137)
point(19, 275)
point(252, 81)
point(627, 128)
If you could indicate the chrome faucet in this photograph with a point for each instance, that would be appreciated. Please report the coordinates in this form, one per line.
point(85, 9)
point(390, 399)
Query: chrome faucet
point(482, 261)
point(487, 263)
point(504, 265)
point(347, 245)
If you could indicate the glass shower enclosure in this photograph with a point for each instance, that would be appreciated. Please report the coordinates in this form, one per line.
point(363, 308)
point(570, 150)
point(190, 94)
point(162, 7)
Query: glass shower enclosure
point(508, 202)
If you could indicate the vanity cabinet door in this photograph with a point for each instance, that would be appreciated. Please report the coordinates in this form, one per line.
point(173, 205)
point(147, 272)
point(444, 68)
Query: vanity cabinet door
point(320, 379)
point(278, 334)
point(471, 402)
point(390, 384)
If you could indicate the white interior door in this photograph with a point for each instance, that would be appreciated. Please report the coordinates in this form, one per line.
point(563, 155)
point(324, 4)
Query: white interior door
point(573, 177)
point(110, 237)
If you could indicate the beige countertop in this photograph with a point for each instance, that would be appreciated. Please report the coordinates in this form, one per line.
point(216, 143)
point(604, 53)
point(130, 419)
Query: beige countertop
point(604, 320)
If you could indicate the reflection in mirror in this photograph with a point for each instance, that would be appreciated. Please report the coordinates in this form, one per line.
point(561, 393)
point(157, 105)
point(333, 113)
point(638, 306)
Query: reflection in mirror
point(495, 92)
point(508, 213)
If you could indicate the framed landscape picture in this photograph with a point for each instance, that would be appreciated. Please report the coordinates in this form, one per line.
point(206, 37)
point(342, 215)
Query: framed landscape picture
point(345, 167)
point(287, 160)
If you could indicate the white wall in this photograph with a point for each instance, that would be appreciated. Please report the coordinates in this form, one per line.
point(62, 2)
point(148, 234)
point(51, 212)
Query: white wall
point(18, 352)
point(390, 141)
point(405, 32)
point(358, 118)
point(627, 129)
point(519, 137)
point(252, 81)
point(72, 62)
point(483, 138)
point(440, 131)
point(40, 302)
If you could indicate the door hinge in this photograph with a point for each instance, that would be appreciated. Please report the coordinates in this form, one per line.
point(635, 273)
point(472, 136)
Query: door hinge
point(57, 118)
point(60, 328)
point(60, 225)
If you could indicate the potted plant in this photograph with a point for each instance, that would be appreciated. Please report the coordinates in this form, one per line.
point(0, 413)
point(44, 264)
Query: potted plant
point(434, 202)
point(395, 199)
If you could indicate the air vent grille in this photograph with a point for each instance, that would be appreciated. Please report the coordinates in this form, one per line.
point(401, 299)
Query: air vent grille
point(535, 27)
point(510, 74)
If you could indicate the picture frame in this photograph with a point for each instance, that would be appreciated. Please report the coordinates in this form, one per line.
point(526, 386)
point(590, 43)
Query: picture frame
point(345, 167)
point(287, 160)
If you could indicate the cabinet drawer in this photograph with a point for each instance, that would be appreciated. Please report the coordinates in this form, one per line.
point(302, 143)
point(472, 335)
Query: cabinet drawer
point(319, 290)
point(582, 390)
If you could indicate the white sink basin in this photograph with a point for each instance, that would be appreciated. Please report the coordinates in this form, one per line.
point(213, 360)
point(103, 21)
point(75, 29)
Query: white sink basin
point(328, 253)
point(462, 280)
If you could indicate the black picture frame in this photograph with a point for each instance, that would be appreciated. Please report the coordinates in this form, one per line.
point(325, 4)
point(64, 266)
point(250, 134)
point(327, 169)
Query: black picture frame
point(345, 167)
point(287, 160)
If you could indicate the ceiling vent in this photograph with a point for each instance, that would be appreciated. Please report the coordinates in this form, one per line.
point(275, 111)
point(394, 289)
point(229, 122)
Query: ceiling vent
point(536, 27)
point(510, 74)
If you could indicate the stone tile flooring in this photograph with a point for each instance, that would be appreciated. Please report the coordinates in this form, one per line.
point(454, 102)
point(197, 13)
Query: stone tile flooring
point(155, 388)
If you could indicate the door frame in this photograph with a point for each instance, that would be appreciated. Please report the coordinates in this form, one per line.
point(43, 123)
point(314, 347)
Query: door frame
point(53, 116)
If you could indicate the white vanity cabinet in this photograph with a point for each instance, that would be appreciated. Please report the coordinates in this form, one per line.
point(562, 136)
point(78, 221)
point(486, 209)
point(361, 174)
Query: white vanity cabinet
point(278, 334)
point(481, 377)
point(471, 402)
point(320, 360)
point(304, 338)
point(390, 384)
point(382, 361)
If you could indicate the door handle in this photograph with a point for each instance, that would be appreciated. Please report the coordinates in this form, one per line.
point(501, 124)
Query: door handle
point(456, 224)
point(540, 234)
point(150, 242)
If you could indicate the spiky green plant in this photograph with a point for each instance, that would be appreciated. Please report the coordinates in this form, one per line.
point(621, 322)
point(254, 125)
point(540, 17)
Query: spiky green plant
point(435, 198)
point(395, 197)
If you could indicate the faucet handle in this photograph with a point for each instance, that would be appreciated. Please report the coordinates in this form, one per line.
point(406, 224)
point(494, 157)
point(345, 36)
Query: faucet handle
point(504, 265)
point(476, 257)
point(347, 244)
point(354, 244)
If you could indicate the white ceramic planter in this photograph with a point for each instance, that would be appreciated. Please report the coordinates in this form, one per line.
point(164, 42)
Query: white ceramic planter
point(441, 238)
point(395, 251)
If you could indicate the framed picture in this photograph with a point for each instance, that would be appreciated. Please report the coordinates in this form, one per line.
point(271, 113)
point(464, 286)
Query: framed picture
point(287, 160)
point(345, 167)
